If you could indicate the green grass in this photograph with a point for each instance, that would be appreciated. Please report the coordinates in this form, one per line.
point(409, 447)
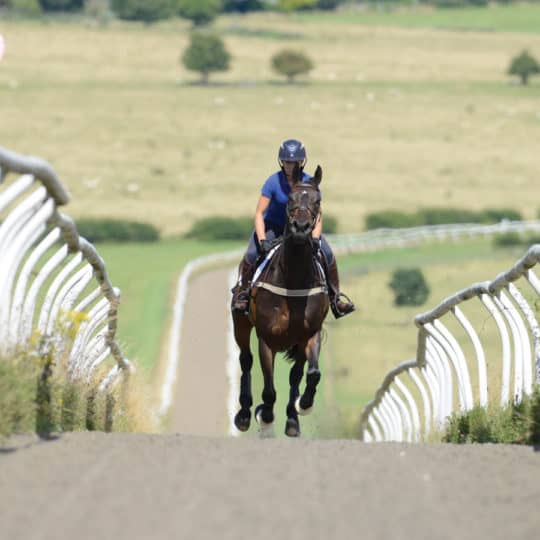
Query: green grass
point(146, 275)
point(495, 18)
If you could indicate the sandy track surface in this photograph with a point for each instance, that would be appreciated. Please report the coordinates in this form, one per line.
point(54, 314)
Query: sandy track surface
point(131, 486)
point(201, 391)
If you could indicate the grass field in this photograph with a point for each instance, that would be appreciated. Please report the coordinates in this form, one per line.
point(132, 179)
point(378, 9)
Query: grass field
point(398, 117)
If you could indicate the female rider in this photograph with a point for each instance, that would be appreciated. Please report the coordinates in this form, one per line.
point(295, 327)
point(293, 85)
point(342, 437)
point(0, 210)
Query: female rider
point(270, 217)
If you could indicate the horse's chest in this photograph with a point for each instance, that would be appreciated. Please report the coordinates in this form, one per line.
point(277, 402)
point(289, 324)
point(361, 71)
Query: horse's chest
point(289, 317)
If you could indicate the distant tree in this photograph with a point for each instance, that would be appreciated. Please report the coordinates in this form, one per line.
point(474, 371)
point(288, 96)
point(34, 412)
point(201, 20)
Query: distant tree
point(291, 64)
point(200, 12)
point(242, 6)
point(26, 7)
point(329, 4)
point(61, 5)
point(206, 53)
point(295, 5)
point(143, 10)
point(524, 65)
point(409, 286)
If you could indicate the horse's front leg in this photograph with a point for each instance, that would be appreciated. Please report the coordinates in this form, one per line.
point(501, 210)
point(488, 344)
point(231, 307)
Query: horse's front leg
point(304, 404)
point(264, 413)
point(242, 331)
point(292, 427)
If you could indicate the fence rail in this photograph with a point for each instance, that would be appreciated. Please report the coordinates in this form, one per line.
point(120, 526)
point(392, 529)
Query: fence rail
point(442, 374)
point(54, 289)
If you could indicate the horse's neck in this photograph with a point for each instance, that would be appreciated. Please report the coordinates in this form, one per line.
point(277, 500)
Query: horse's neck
point(297, 265)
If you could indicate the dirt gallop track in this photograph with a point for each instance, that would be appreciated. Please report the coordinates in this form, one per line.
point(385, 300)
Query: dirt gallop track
point(89, 486)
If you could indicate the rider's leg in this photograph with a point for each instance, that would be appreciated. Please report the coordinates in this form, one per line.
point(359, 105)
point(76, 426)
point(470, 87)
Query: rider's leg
point(339, 302)
point(240, 299)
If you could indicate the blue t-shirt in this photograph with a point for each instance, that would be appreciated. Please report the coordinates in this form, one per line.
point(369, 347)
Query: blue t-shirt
point(277, 189)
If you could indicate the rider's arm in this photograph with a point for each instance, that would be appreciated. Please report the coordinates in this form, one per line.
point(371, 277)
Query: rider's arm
point(262, 205)
point(317, 230)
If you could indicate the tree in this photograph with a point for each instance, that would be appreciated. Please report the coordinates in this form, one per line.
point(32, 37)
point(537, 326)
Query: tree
point(242, 6)
point(61, 5)
point(294, 5)
point(291, 63)
point(409, 286)
point(524, 65)
point(199, 11)
point(143, 10)
point(206, 53)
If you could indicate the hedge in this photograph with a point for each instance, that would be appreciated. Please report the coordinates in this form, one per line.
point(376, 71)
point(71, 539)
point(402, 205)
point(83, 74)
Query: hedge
point(396, 219)
point(116, 230)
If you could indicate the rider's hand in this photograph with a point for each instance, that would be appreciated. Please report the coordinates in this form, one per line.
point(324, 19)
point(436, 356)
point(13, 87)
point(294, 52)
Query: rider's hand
point(316, 246)
point(265, 247)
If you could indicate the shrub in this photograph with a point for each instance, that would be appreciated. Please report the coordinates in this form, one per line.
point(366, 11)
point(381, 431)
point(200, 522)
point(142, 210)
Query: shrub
point(330, 224)
point(26, 7)
point(206, 53)
point(329, 4)
point(142, 10)
point(242, 6)
point(409, 286)
point(116, 230)
point(221, 228)
point(391, 219)
point(61, 5)
point(291, 64)
point(524, 65)
point(293, 5)
point(511, 424)
point(396, 219)
point(508, 239)
point(199, 11)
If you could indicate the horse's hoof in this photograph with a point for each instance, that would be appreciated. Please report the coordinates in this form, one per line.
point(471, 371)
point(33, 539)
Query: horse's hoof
point(292, 428)
point(259, 416)
point(242, 420)
point(300, 411)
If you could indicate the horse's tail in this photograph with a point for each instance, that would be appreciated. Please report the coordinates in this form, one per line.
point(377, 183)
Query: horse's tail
point(290, 355)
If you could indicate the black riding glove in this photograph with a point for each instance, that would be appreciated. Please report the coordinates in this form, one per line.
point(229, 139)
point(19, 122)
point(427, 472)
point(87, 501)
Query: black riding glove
point(316, 246)
point(265, 246)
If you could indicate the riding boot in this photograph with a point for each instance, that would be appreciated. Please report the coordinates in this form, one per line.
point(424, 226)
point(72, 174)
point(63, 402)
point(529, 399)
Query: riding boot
point(240, 299)
point(340, 303)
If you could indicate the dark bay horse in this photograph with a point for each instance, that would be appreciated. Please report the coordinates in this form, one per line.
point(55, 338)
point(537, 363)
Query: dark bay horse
point(288, 305)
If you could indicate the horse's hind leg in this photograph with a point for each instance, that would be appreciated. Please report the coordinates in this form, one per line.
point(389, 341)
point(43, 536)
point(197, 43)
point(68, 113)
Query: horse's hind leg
point(242, 331)
point(265, 411)
point(304, 405)
point(292, 427)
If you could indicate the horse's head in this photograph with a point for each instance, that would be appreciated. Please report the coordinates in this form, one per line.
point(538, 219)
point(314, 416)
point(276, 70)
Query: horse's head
point(303, 207)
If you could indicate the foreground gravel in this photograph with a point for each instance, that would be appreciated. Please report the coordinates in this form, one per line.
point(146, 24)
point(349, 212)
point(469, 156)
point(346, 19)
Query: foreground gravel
point(93, 485)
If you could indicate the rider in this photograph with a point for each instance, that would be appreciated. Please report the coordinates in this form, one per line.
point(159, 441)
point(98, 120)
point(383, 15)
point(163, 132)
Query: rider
point(270, 223)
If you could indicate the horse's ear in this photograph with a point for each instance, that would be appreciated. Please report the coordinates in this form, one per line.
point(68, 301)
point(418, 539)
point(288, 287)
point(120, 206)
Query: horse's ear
point(317, 178)
point(296, 174)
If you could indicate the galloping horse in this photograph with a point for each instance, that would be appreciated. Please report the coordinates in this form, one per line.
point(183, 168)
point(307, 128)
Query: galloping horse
point(288, 305)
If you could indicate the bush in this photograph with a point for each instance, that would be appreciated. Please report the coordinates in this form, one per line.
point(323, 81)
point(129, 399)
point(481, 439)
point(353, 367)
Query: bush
point(524, 65)
point(330, 224)
point(221, 228)
point(242, 6)
point(391, 219)
point(291, 64)
point(515, 239)
point(61, 5)
point(199, 11)
point(26, 7)
point(116, 230)
point(294, 5)
point(142, 10)
point(511, 424)
point(409, 286)
point(396, 219)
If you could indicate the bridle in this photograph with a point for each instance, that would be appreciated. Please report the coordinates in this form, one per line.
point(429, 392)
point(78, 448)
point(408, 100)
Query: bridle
point(314, 215)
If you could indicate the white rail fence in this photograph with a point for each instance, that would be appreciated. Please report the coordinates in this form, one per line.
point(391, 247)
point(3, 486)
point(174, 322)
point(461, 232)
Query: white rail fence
point(457, 366)
point(54, 289)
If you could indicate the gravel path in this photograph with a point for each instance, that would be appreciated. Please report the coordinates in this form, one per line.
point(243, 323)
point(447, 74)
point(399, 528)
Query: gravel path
point(131, 486)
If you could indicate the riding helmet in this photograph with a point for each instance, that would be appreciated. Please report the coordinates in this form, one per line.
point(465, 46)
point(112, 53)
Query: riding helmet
point(292, 150)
